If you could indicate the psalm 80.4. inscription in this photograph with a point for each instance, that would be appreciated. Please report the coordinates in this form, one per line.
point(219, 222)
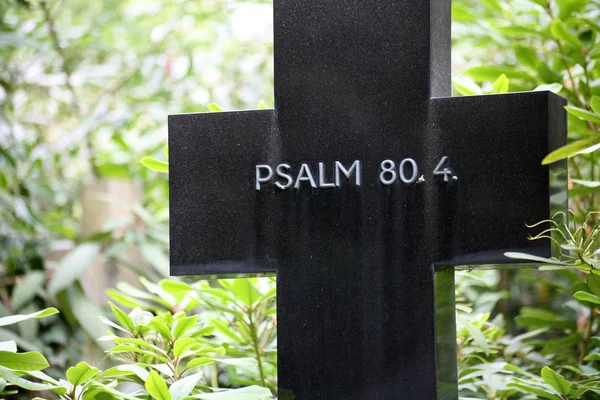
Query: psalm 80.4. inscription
point(284, 176)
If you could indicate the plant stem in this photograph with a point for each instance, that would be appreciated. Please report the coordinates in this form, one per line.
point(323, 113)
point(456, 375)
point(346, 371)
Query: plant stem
point(68, 71)
point(585, 348)
point(253, 332)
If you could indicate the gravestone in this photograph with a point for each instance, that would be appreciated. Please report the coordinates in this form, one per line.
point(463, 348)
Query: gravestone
point(363, 184)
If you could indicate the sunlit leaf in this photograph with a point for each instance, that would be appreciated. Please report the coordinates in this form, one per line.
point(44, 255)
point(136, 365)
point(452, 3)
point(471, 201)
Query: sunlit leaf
point(13, 319)
point(214, 107)
point(32, 361)
point(501, 84)
point(584, 114)
point(155, 164)
point(572, 149)
point(157, 387)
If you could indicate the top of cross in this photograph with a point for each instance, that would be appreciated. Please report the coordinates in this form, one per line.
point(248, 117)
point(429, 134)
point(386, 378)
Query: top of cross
point(327, 62)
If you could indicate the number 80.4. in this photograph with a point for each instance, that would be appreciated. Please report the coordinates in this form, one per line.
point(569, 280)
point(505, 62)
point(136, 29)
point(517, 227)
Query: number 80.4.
point(408, 172)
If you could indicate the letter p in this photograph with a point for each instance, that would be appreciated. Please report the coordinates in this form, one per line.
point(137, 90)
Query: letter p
point(264, 174)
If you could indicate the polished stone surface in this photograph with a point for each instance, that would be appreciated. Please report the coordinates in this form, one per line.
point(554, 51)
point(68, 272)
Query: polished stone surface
point(363, 80)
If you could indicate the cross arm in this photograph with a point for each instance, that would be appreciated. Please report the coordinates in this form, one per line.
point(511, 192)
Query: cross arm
point(213, 227)
point(495, 145)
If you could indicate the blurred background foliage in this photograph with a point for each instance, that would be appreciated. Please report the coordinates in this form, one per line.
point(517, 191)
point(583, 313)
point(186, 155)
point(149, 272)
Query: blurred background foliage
point(85, 88)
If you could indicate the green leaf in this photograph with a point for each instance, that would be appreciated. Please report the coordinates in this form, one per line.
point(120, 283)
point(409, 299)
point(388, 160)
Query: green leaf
point(123, 318)
point(528, 388)
point(590, 184)
point(214, 107)
point(124, 348)
point(166, 151)
point(560, 32)
point(531, 257)
point(556, 380)
point(242, 289)
point(24, 383)
point(32, 361)
point(475, 333)
point(112, 324)
point(526, 56)
point(501, 85)
point(467, 88)
point(585, 296)
point(80, 373)
point(491, 73)
point(27, 289)
point(157, 387)
point(161, 327)
point(182, 345)
point(595, 103)
point(72, 266)
point(183, 387)
point(583, 114)
point(155, 164)
point(593, 283)
point(182, 325)
point(551, 87)
point(13, 319)
point(124, 370)
point(201, 361)
point(541, 318)
point(572, 149)
point(262, 105)
point(592, 357)
point(247, 393)
point(568, 7)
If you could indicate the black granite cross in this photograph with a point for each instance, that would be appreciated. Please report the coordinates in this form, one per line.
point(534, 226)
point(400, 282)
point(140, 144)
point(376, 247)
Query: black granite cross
point(362, 182)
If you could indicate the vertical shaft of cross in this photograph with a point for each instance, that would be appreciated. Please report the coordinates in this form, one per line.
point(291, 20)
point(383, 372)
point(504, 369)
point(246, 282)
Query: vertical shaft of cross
point(328, 64)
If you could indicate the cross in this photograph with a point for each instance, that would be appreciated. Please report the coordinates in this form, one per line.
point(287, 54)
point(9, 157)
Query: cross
point(361, 190)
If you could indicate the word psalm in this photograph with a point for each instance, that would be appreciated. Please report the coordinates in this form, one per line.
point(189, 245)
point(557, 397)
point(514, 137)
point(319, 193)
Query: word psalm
point(283, 177)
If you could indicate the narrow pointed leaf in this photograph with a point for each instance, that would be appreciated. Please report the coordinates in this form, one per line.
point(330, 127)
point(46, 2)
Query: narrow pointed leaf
point(157, 387)
point(123, 318)
point(13, 319)
point(214, 107)
point(183, 387)
point(583, 114)
point(155, 164)
point(530, 257)
point(501, 85)
point(572, 149)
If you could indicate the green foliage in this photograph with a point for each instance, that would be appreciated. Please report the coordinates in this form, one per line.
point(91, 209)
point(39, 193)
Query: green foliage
point(83, 99)
point(163, 353)
point(18, 369)
point(541, 45)
point(241, 314)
